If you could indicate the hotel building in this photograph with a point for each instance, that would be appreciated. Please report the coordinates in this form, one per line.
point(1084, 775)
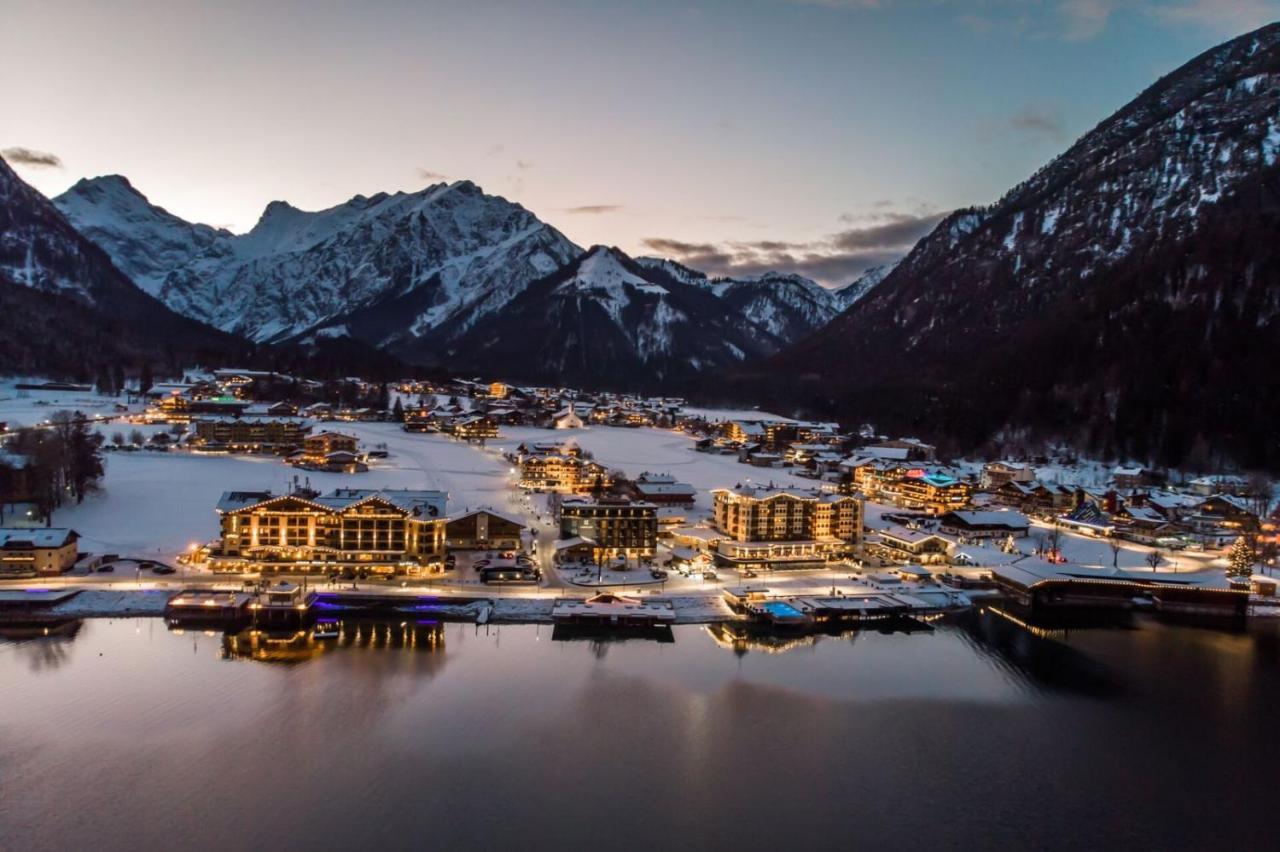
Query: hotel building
point(386, 532)
point(784, 529)
point(250, 435)
point(612, 526)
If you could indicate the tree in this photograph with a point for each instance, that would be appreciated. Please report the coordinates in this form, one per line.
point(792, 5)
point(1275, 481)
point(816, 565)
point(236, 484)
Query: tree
point(145, 379)
point(397, 411)
point(1114, 542)
point(384, 397)
point(117, 438)
point(117, 377)
point(1240, 558)
point(102, 383)
point(1154, 558)
point(84, 461)
point(137, 438)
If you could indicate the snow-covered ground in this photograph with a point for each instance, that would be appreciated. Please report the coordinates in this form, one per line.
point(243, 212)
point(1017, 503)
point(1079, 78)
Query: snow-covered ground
point(33, 408)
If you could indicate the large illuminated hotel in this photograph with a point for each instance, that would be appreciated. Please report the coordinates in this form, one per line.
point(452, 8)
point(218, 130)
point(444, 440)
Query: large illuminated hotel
point(387, 532)
point(784, 529)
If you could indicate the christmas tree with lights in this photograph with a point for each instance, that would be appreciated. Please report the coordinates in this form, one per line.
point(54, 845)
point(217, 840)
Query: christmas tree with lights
point(1240, 559)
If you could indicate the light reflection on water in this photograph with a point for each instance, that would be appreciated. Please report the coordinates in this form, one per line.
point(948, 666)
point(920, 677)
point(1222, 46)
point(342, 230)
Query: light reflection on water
point(982, 730)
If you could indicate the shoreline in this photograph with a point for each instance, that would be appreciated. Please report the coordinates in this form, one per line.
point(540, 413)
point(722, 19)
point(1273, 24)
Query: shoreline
point(89, 602)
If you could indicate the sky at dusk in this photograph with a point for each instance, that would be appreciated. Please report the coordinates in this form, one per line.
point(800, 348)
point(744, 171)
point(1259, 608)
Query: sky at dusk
point(820, 137)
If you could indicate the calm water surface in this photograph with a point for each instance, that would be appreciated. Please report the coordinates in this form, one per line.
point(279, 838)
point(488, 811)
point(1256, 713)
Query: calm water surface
point(978, 734)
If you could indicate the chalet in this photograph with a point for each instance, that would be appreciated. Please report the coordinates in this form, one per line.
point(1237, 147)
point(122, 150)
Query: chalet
point(483, 529)
point(663, 489)
point(974, 525)
point(1037, 498)
point(997, 473)
point(422, 419)
point(1207, 486)
point(36, 552)
point(743, 431)
point(904, 544)
point(474, 427)
point(1223, 513)
point(565, 474)
point(566, 419)
point(318, 446)
point(914, 449)
point(1128, 478)
point(387, 532)
point(1142, 523)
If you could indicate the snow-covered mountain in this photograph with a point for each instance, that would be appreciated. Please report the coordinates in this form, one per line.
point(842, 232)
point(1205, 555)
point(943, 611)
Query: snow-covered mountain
point(608, 320)
point(848, 294)
point(450, 252)
point(787, 305)
point(145, 242)
point(389, 270)
point(65, 308)
point(1126, 296)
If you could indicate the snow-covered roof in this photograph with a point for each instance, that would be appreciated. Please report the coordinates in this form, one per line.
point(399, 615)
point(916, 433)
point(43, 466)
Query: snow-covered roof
point(230, 501)
point(35, 536)
point(665, 489)
point(511, 519)
point(1011, 520)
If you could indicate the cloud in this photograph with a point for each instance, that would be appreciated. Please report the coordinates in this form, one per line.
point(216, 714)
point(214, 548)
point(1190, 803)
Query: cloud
point(523, 165)
point(1084, 19)
point(31, 157)
point(593, 209)
point(835, 259)
point(1039, 121)
point(1228, 17)
point(427, 174)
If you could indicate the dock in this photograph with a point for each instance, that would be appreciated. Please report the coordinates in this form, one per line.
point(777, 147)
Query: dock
point(209, 608)
point(610, 610)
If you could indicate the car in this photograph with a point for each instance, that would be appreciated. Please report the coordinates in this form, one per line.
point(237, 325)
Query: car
point(658, 574)
point(163, 569)
point(108, 568)
point(709, 575)
point(751, 575)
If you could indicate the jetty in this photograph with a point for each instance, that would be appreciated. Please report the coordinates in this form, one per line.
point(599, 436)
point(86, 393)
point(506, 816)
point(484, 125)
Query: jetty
point(611, 610)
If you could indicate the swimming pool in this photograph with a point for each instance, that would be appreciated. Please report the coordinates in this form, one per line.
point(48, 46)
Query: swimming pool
point(781, 610)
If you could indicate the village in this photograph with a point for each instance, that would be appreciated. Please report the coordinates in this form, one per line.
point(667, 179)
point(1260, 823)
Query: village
point(241, 493)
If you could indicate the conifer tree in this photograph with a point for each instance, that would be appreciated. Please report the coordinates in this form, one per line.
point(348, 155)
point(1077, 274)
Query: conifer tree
point(1240, 558)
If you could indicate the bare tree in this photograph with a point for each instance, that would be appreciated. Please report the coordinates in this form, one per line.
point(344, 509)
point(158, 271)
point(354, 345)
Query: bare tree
point(1154, 558)
point(1260, 490)
point(1116, 545)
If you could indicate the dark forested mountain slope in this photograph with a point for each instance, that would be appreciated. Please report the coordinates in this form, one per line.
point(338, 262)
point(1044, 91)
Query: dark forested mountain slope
point(1126, 297)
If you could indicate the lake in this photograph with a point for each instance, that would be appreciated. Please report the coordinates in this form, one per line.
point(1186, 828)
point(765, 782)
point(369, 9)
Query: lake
point(979, 733)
